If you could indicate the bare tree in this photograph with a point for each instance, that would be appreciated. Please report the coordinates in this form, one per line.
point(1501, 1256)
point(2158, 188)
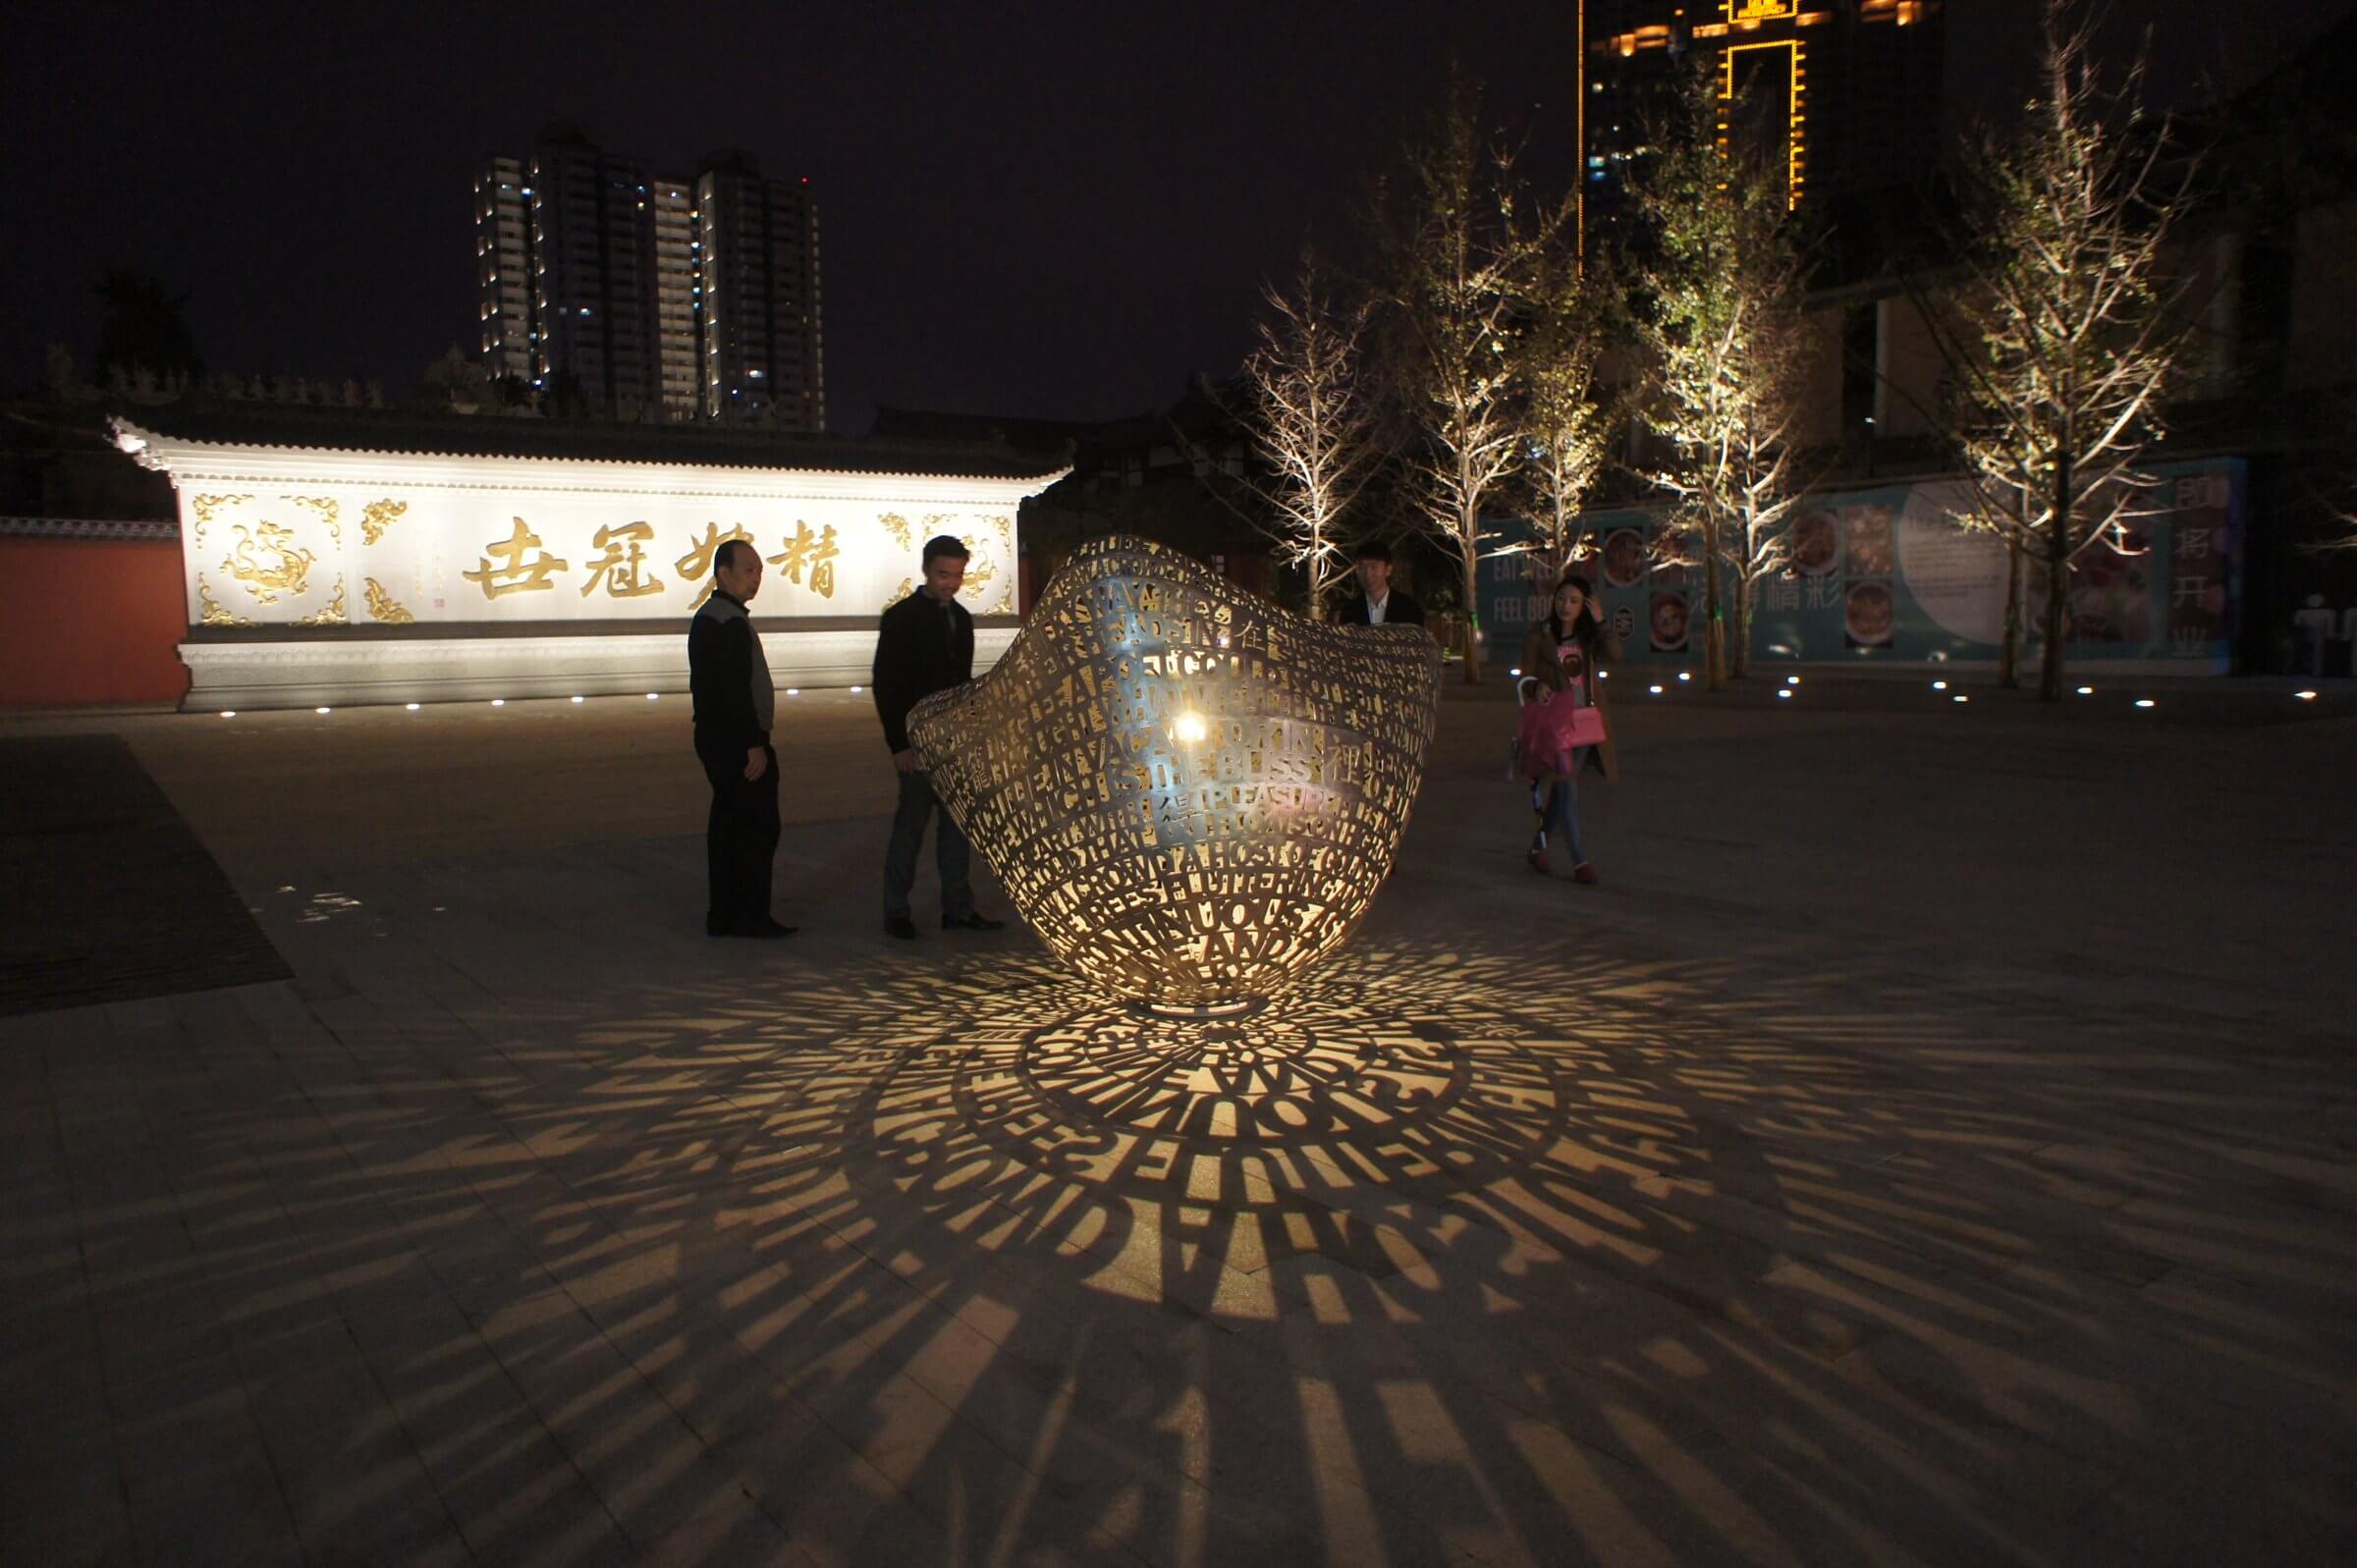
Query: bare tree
point(2063, 335)
point(1567, 421)
point(1458, 255)
point(1719, 306)
point(460, 382)
point(1311, 424)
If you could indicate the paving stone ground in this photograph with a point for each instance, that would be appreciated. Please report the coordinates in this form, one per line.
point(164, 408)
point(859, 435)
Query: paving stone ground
point(1931, 1144)
point(111, 896)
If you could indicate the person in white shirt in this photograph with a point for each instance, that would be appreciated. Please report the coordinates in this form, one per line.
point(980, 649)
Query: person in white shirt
point(1378, 604)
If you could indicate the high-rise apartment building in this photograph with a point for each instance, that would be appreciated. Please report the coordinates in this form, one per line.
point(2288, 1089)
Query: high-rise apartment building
point(637, 291)
point(1842, 97)
point(762, 348)
point(678, 296)
point(593, 257)
point(503, 269)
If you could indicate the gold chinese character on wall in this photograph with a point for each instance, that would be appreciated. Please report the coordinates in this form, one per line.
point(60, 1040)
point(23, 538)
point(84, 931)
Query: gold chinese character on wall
point(697, 562)
point(512, 574)
point(623, 565)
point(812, 553)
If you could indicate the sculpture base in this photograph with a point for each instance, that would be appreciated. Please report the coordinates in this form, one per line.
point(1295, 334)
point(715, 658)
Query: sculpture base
point(1210, 1012)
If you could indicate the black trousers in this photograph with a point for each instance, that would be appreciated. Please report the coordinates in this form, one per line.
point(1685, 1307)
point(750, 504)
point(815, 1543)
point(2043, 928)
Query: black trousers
point(740, 838)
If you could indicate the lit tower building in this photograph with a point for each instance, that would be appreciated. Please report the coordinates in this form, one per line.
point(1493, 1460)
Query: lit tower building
point(644, 292)
point(764, 354)
point(679, 297)
point(508, 303)
point(1841, 95)
point(593, 250)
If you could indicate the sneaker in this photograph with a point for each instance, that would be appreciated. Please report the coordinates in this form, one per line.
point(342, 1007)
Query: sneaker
point(1538, 862)
point(766, 928)
point(971, 920)
point(900, 925)
point(1583, 871)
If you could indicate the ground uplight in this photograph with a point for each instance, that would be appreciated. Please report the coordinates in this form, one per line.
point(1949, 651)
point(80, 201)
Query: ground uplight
point(2145, 702)
point(1655, 690)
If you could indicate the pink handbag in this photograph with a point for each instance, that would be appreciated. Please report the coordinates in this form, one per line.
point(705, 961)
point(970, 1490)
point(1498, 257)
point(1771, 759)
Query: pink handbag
point(1552, 731)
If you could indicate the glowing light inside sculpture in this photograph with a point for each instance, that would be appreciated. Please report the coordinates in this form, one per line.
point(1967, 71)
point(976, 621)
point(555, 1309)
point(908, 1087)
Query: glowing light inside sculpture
point(1191, 794)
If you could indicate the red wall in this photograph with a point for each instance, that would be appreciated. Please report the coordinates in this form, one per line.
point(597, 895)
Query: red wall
point(86, 622)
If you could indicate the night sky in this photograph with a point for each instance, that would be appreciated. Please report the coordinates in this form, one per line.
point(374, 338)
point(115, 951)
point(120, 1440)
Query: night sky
point(1048, 210)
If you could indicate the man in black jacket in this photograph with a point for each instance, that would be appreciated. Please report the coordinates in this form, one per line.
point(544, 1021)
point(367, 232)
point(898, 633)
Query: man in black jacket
point(926, 644)
point(1376, 604)
point(735, 705)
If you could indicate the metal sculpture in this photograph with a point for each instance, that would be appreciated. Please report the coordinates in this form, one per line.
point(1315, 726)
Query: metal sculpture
point(1188, 792)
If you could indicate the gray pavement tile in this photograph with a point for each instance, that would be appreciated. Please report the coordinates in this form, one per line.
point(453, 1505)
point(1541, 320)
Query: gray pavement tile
point(160, 1338)
point(835, 1506)
point(702, 1372)
point(45, 1379)
point(200, 1486)
point(730, 1532)
point(2170, 1527)
point(648, 1467)
point(61, 1497)
point(2152, 1431)
point(2307, 1385)
point(511, 1491)
point(1809, 1243)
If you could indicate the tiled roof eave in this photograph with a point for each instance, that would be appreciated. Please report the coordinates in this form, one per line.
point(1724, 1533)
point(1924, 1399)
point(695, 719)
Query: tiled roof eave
point(1016, 470)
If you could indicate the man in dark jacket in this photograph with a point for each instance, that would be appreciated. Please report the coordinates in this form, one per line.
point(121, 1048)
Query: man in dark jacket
point(1376, 604)
point(926, 644)
point(734, 704)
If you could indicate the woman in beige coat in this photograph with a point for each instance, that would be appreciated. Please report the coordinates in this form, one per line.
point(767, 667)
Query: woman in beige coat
point(1566, 654)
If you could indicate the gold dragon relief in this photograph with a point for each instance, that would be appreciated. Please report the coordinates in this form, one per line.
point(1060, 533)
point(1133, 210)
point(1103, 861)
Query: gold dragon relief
point(981, 571)
point(989, 550)
point(266, 561)
point(1003, 528)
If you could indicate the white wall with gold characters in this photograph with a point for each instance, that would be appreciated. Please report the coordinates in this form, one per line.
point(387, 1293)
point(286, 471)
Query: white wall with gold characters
point(393, 577)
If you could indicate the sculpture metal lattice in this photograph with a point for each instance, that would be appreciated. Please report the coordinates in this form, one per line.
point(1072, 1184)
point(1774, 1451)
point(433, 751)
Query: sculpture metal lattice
point(1191, 793)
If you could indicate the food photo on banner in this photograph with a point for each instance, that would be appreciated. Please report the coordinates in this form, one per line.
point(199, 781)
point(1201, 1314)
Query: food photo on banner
point(1886, 574)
